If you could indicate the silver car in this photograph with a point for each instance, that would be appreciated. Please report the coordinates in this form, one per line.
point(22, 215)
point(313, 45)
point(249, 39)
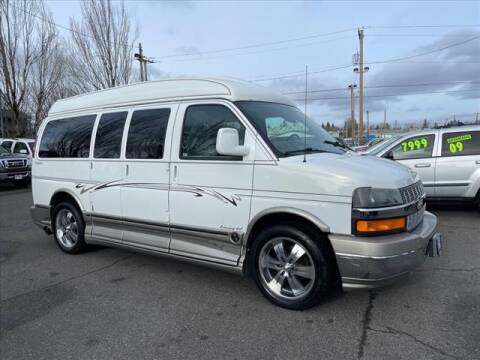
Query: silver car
point(447, 160)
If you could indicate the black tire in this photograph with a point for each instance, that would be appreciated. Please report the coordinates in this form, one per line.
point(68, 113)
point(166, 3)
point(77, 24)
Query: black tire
point(317, 289)
point(79, 245)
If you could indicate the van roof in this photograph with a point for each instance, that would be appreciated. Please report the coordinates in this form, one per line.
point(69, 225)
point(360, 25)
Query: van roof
point(167, 90)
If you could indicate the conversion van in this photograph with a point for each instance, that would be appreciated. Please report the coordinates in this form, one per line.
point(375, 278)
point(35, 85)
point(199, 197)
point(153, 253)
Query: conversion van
point(225, 173)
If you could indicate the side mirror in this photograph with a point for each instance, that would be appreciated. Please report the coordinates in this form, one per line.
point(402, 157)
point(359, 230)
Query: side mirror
point(388, 155)
point(23, 151)
point(227, 143)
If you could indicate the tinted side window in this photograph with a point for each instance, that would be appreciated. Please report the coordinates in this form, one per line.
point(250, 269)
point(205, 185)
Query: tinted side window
point(416, 147)
point(108, 140)
point(200, 128)
point(7, 145)
point(461, 143)
point(67, 138)
point(20, 146)
point(146, 134)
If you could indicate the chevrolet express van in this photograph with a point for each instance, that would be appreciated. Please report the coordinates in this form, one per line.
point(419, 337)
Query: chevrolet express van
point(225, 173)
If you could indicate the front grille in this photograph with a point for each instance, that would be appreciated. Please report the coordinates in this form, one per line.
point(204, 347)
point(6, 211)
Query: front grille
point(12, 164)
point(412, 193)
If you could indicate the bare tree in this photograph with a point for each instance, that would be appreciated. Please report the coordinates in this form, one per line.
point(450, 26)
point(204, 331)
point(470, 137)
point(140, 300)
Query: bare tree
point(102, 52)
point(48, 75)
point(17, 54)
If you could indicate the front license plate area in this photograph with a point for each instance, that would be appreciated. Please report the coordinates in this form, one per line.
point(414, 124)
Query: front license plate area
point(18, 177)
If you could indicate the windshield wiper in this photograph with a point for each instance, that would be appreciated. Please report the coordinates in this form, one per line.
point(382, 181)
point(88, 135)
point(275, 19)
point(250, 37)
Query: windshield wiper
point(336, 144)
point(301, 151)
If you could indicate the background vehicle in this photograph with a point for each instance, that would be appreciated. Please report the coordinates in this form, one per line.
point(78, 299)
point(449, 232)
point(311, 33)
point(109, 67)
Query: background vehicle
point(447, 160)
point(14, 168)
point(200, 169)
point(19, 146)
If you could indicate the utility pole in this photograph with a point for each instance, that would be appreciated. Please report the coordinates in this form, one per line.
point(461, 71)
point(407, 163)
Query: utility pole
point(384, 121)
point(368, 124)
point(360, 70)
point(143, 60)
point(476, 119)
point(352, 110)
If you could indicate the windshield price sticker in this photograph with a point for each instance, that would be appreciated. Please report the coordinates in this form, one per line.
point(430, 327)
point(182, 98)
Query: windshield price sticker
point(455, 144)
point(415, 144)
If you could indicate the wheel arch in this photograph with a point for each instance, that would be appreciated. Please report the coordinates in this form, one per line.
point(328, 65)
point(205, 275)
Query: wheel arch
point(278, 215)
point(65, 195)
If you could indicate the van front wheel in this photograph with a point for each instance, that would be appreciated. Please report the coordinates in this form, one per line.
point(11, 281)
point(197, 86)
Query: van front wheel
point(290, 269)
point(69, 228)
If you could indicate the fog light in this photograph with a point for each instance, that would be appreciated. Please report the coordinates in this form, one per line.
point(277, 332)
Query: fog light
point(370, 226)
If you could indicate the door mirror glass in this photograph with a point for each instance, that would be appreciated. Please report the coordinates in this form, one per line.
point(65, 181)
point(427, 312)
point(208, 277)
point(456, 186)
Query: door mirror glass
point(228, 143)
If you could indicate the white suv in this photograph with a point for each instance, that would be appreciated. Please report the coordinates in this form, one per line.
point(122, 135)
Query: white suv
point(447, 160)
point(225, 173)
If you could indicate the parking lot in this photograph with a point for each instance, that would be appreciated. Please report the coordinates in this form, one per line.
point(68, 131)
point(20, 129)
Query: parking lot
point(115, 304)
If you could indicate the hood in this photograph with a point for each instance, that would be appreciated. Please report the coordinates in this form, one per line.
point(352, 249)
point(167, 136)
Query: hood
point(341, 174)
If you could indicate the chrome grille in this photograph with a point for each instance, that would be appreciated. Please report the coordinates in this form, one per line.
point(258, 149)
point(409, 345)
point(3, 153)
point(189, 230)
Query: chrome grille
point(15, 163)
point(412, 192)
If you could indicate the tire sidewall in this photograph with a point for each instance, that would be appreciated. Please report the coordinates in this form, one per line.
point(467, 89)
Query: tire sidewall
point(320, 286)
point(80, 245)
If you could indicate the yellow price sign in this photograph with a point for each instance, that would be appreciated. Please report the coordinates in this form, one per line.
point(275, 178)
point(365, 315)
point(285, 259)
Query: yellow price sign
point(414, 144)
point(455, 144)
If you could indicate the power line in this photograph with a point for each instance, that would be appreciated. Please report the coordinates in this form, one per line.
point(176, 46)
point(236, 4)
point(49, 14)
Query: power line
point(391, 95)
point(192, 53)
point(386, 86)
point(419, 26)
point(310, 73)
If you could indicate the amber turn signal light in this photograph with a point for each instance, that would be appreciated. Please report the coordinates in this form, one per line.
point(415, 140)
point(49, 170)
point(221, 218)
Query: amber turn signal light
point(369, 226)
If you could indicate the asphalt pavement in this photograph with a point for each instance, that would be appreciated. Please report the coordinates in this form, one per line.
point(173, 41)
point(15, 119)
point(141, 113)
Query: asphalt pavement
point(115, 304)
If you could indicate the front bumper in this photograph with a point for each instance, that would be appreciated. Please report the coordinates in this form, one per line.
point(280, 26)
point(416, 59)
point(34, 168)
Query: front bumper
point(12, 176)
point(370, 262)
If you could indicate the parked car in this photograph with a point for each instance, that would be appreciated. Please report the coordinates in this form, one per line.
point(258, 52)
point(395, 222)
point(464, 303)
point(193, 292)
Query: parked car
point(194, 169)
point(447, 160)
point(368, 145)
point(19, 146)
point(14, 168)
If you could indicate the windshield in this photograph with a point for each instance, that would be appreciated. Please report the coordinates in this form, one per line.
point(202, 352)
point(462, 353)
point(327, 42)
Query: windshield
point(374, 150)
point(283, 129)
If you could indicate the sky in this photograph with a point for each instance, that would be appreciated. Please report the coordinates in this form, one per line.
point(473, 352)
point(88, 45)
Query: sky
point(274, 41)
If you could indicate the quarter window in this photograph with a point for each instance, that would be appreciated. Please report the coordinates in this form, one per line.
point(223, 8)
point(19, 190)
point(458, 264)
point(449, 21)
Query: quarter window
point(146, 134)
point(200, 128)
point(461, 143)
point(67, 138)
point(108, 140)
point(416, 147)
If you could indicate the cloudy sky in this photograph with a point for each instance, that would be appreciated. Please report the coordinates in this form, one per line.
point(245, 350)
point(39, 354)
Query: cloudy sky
point(271, 42)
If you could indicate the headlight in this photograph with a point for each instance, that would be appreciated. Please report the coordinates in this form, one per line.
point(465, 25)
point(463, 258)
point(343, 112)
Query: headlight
point(376, 198)
point(29, 162)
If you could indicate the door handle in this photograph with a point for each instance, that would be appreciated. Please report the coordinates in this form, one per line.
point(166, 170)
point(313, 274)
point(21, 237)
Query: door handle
point(477, 162)
point(423, 165)
point(175, 171)
point(127, 169)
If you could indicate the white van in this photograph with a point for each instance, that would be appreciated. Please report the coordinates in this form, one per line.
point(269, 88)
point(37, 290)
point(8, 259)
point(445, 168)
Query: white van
point(224, 172)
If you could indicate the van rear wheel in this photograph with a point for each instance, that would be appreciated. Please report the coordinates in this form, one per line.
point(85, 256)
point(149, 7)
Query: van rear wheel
point(69, 228)
point(289, 268)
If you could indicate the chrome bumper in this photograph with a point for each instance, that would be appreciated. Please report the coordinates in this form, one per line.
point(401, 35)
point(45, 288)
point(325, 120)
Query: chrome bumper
point(41, 217)
point(368, 262)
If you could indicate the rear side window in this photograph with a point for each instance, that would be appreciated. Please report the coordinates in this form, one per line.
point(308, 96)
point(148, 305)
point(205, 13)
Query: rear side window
point(200, 128)
point(461, 143)
point(19, 146)
point(67, 138)
point(146, 134)
point(416, 147)
point(108, 140)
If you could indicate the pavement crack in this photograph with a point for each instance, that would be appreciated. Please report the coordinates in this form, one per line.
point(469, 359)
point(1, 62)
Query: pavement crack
point(393, 331)
point(367, 317)
point(453, 270)
point(113, 263)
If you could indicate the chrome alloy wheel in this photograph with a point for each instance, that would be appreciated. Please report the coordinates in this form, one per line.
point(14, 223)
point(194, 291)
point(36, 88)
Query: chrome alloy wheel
point(66, 227)
point(287, 270)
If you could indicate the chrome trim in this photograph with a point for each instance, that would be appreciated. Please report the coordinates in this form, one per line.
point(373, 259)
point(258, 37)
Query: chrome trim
point(396, 207)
